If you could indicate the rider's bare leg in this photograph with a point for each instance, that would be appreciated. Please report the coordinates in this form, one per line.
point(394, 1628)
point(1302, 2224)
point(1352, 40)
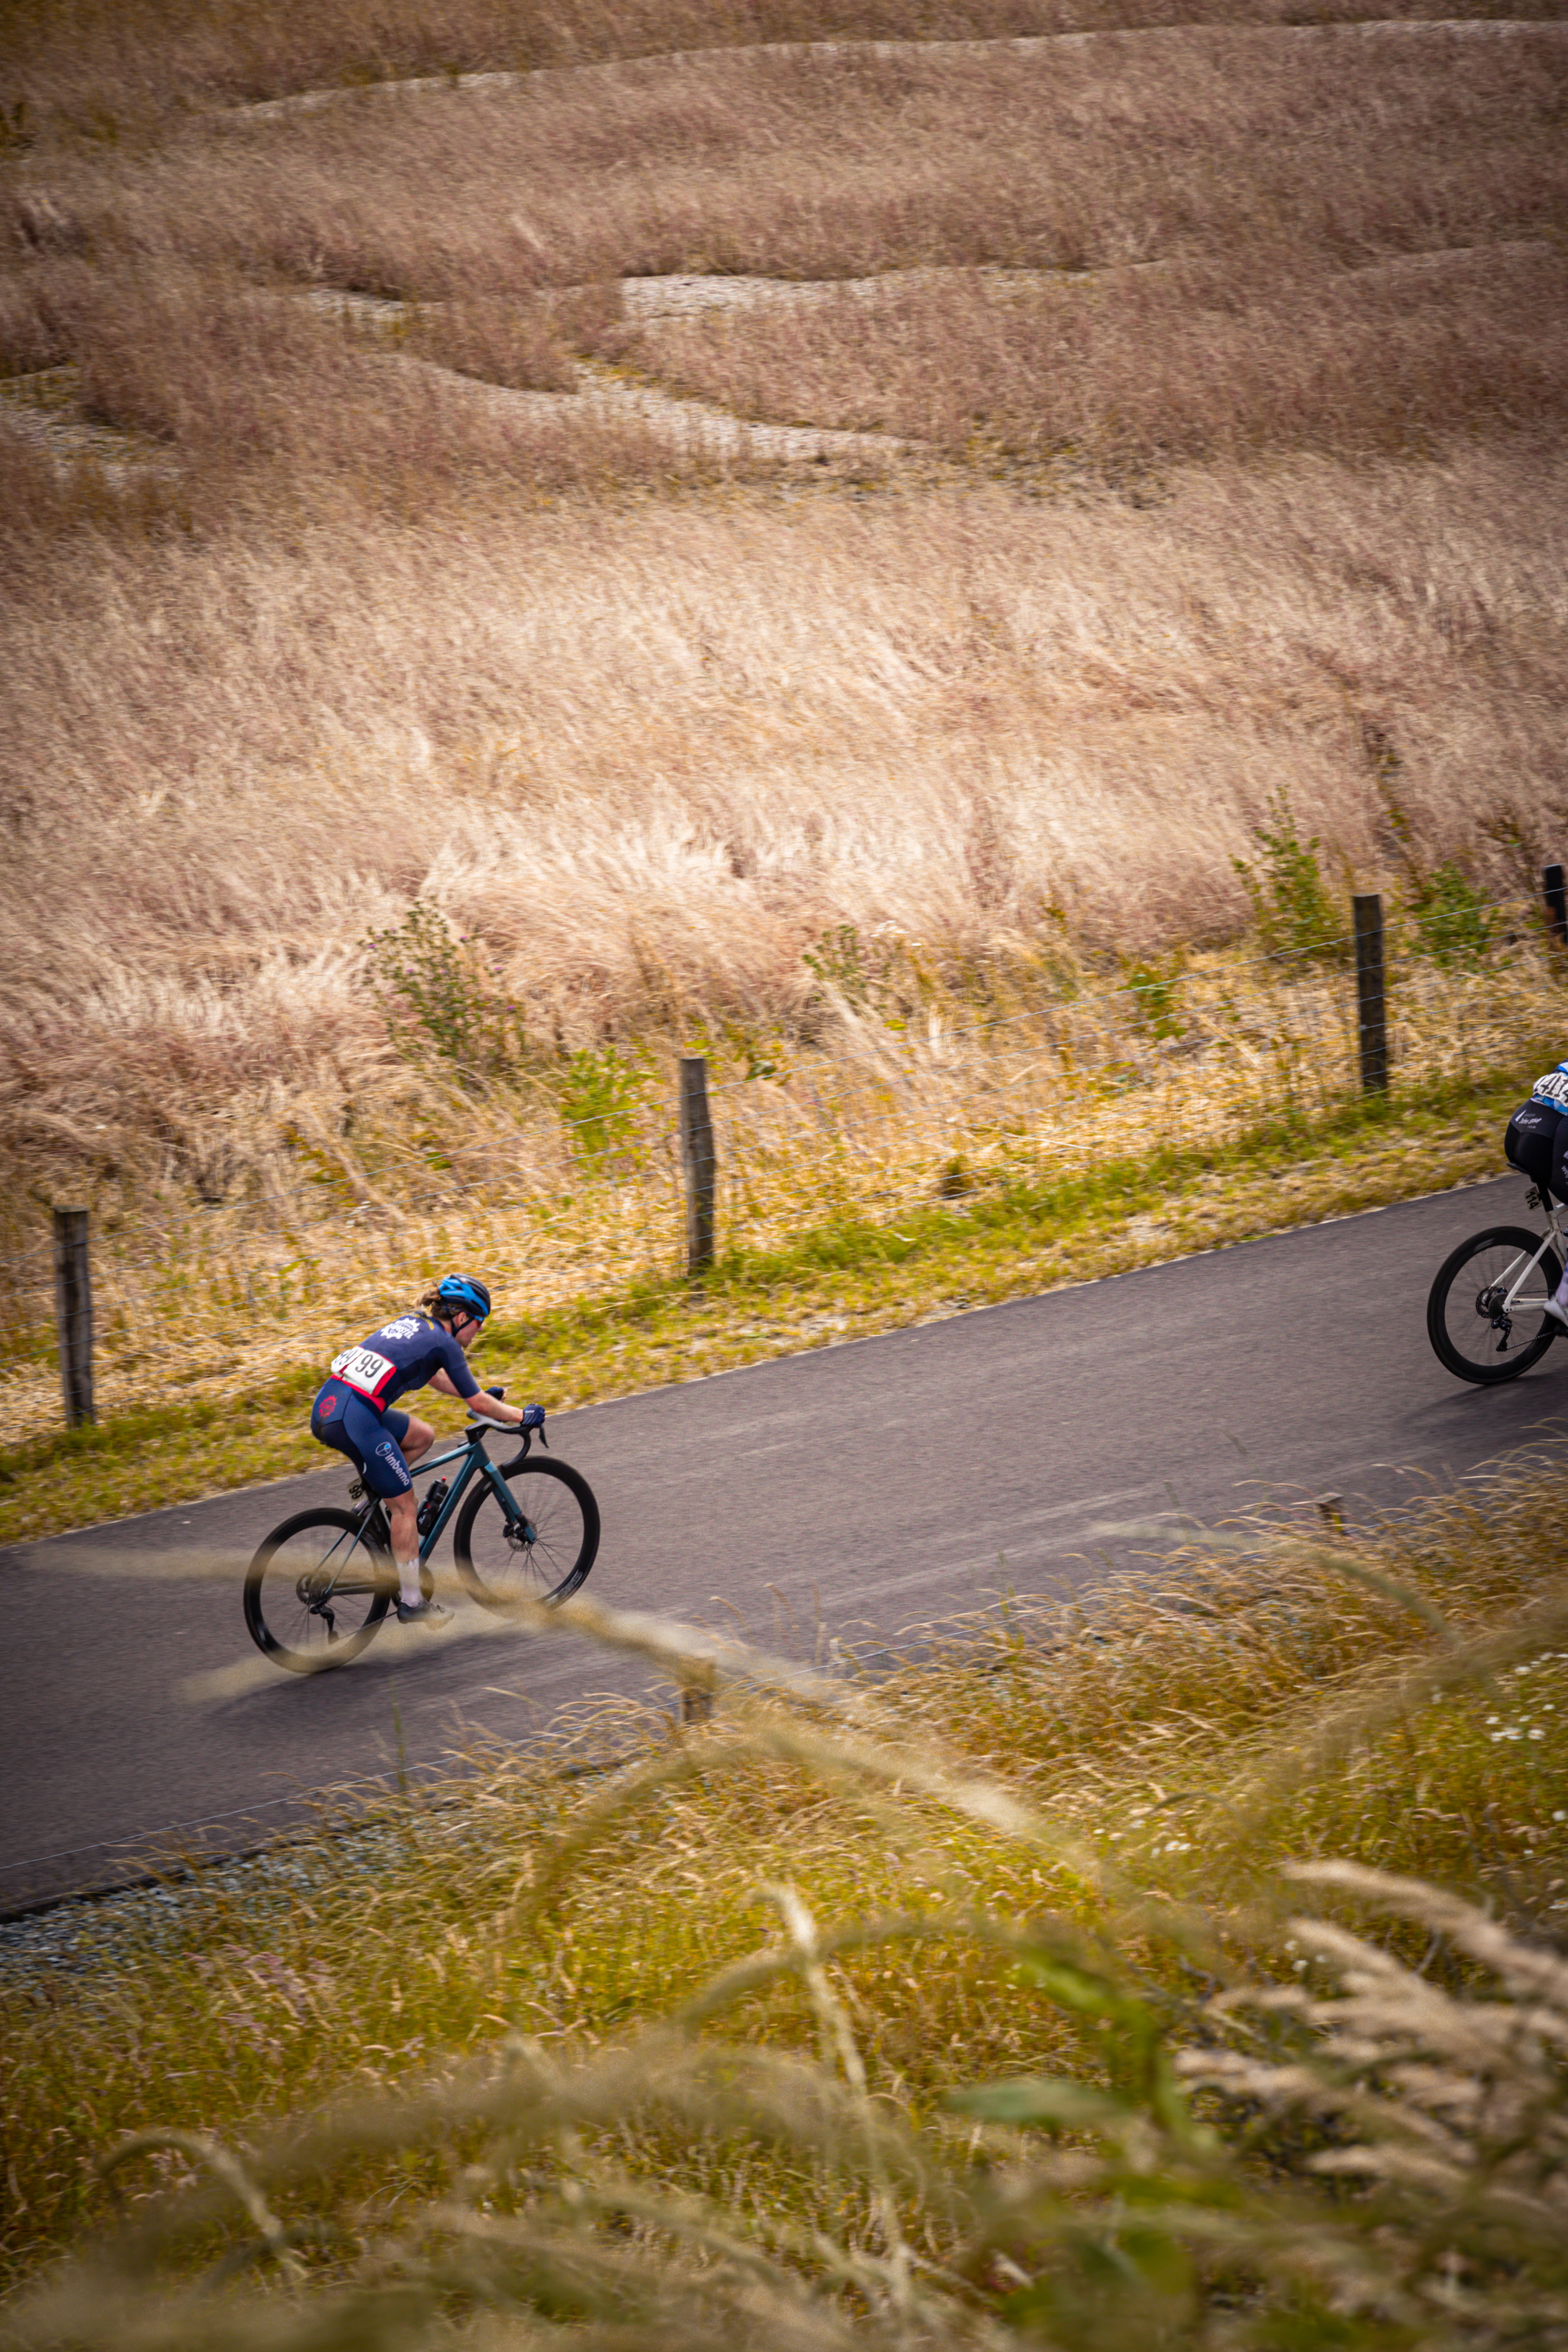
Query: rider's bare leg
point(418, 1438)
point(402, 1517)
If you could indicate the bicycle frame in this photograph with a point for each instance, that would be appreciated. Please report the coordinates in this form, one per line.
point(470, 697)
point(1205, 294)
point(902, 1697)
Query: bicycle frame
point(1504, 1306)
point(476, 1462)
point(470, 1450)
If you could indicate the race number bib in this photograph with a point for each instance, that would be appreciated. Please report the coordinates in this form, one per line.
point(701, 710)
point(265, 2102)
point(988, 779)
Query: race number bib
point(1553, 1089)
point(362, 1370)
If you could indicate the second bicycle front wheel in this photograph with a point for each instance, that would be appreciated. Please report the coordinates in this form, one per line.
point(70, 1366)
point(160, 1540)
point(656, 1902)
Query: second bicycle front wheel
point(1471, 1331)
point(545, 1553)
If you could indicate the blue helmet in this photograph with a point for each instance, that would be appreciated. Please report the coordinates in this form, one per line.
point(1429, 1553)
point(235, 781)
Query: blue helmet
point(456, 1290)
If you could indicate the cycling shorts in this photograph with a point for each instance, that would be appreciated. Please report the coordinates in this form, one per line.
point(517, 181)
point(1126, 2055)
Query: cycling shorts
point(1536, 1141)
point(372, 1440)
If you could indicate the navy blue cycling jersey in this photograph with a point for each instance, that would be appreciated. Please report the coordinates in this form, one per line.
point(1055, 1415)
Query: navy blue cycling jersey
point(403, 1354)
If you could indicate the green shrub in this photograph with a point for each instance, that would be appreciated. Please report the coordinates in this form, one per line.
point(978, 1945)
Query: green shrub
point(885, 975)
point(599, 1101)
point(1152, 989)
point(1453, 925)
point(441, 997)
point(1290, 904)
point(838, 959)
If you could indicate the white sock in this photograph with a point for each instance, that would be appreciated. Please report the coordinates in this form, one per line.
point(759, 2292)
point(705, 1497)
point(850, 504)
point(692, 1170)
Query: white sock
point(408, 1590)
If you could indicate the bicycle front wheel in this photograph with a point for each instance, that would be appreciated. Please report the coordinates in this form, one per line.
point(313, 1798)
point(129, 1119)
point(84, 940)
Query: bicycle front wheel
point(542, 1555)
point(316, 1591)
point(1476, 1335)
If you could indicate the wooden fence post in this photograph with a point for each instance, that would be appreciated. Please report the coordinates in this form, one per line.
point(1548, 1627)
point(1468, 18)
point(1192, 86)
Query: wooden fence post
point(697, 1160)
point(1556, 900)
point(73, 1313)
point(696, 1692)
point(1372, 1007)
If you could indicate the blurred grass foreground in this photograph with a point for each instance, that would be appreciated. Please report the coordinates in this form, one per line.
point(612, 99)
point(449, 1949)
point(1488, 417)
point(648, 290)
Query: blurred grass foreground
point(1184, 1973)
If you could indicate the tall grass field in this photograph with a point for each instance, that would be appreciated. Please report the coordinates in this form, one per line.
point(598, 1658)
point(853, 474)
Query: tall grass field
point(924, 555)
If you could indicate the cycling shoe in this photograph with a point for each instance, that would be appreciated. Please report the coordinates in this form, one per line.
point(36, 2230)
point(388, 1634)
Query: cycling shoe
point(422, 1612)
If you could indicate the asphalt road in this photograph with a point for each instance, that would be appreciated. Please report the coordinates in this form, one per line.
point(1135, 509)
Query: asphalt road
point(872, 1485)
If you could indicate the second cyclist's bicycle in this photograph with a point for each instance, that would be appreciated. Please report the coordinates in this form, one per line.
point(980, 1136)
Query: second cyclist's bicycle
point(1486, 1311)
point(321, 1583)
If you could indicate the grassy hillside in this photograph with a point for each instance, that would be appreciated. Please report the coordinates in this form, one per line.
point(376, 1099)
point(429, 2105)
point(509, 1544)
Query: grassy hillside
point(922, 554)
point(777, 549)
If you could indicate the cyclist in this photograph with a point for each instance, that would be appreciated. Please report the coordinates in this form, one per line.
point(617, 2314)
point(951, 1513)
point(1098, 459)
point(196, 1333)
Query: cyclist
point(1537, 1142)
point(355, 1412)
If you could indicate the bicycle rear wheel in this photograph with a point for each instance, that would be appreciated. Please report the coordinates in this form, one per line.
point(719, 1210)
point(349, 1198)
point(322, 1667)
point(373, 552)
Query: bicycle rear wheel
point(546, 1554)
point(316, 1591)
point(1465, 1319)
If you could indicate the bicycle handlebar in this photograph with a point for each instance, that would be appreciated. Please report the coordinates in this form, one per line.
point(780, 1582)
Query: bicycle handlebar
point(528, 1430)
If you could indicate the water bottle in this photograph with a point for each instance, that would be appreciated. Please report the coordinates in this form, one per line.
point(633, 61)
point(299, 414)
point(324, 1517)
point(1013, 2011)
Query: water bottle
point(430, 1508)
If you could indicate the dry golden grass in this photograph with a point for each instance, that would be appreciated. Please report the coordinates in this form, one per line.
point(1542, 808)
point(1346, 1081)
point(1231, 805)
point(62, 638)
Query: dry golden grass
point(1247, 156)
point(652, 758)
point(1192, 361)
point(320, 607)
point(98, 69)
point(1231, 144)
point(315, 613)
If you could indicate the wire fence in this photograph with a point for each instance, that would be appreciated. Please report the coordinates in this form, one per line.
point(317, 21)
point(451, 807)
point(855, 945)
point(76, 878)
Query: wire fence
point(1184, 1054)
point(1110, 1031)
point(879, 1102)
point(1153, 999)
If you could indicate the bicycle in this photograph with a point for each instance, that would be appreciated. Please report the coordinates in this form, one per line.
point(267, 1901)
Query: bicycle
point(1488, 1300)
point(322, 1582)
